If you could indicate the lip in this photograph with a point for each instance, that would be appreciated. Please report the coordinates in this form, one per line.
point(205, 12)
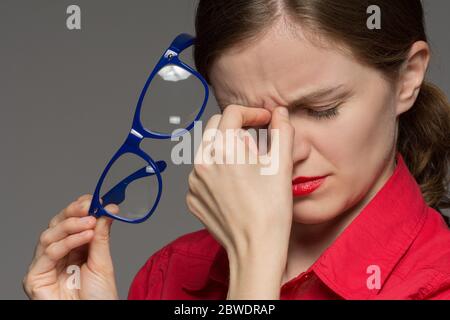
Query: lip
point(305, 185)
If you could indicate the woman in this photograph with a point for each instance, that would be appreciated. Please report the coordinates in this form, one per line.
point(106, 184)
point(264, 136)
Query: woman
point(353, 113)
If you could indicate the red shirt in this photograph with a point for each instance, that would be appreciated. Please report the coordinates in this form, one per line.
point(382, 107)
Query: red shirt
point(396, 238)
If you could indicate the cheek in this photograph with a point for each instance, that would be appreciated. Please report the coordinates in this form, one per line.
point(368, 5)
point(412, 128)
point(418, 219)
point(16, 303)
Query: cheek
point(362, 132)
point(354, 144)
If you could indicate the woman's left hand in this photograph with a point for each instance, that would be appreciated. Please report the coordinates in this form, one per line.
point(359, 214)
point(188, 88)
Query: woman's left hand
point(248, 212)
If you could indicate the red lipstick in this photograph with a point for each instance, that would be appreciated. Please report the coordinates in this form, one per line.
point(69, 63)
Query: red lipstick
point(305, 185)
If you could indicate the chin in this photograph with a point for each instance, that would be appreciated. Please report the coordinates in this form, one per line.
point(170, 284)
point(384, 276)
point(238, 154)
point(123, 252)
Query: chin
point(309, 212)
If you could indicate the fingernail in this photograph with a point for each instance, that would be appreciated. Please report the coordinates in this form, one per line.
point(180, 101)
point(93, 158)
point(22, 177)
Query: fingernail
point(283, 112)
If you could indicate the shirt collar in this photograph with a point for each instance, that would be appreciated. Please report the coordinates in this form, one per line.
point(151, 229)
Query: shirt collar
point(375, 240)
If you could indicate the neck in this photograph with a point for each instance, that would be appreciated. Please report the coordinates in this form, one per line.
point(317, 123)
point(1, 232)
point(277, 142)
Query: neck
point(308, 241)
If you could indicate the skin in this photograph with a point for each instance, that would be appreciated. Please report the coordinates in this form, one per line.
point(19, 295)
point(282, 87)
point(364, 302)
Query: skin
point(255, 216)
point(73, 238)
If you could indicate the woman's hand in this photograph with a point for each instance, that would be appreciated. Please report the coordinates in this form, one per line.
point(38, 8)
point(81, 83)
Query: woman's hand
point(73, 239)
point(249, 213)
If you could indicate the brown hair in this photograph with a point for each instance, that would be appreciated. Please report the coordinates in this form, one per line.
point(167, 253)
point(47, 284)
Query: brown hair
point(423, 138)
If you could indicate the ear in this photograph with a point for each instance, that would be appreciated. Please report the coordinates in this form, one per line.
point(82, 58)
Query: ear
point(411, 76)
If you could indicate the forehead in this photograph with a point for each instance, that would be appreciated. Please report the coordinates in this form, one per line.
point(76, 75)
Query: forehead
point(277, 66)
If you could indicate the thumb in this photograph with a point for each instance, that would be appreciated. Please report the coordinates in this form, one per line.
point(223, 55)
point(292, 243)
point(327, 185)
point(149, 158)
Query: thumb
point(281, 135)
point(99, 248)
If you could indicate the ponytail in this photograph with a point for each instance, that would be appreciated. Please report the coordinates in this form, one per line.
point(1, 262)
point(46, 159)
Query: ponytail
point(424, 142)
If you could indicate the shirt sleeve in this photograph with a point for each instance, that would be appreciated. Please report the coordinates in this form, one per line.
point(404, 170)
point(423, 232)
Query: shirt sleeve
point(148, 282)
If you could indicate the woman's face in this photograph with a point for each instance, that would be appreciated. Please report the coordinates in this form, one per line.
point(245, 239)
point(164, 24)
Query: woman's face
point(355, 147)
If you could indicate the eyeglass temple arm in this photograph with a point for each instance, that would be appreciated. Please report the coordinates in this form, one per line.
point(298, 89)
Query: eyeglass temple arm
point(117, 194)
point(181, 42)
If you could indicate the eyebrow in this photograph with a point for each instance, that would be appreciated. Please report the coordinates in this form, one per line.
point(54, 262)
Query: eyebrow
point(309, 98)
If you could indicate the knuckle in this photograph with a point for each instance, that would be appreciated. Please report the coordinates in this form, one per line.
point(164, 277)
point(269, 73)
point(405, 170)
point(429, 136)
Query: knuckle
point(191, 180)
point(49, 251)
point(33, 292)
point(26, 285)
point(192, 189)
point(200, 169)
point(25, 280)
point(188, 198)
point(44, 239)
point(190, 201)
point(52, 222)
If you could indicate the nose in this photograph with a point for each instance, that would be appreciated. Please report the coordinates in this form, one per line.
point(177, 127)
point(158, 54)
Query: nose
point(301, 144)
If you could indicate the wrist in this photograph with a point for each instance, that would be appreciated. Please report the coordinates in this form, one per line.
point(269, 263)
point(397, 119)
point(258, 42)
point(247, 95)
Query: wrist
point(256, 274)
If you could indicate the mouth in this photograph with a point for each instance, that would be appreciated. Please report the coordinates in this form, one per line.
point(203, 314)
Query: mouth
point(305, 185)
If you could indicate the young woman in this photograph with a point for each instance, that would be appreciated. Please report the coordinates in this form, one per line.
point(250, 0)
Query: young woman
point(355, 118)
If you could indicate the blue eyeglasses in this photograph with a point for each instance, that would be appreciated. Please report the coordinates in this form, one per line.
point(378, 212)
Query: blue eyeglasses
point(132, 179)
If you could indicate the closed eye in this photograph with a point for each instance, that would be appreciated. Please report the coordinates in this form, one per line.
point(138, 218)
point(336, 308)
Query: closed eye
point(325, 114)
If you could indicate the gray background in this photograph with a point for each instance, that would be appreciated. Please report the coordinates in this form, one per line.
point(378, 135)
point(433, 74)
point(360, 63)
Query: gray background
point(67, 100)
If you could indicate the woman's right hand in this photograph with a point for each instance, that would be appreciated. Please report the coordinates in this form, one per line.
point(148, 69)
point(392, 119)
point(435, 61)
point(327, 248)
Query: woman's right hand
point(79, 241)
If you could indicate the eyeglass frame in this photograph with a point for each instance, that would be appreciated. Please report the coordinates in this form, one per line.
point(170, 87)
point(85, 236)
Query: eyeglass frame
point(138, 132)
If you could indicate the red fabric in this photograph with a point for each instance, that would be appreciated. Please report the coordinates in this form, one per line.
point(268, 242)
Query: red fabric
point(396, 231)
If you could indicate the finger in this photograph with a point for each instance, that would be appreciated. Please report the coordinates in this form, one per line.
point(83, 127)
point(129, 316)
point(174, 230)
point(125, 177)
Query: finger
point(99, 249)
point(213, 122)
point(58, 250)
point(65, 228)
point(260, 136)
point(78, 208)
point(249, 139)
point(203, 154)
point(281, 131)
point(211, 128)
point(85, 197)
point(236, 148)
point(236, 117)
